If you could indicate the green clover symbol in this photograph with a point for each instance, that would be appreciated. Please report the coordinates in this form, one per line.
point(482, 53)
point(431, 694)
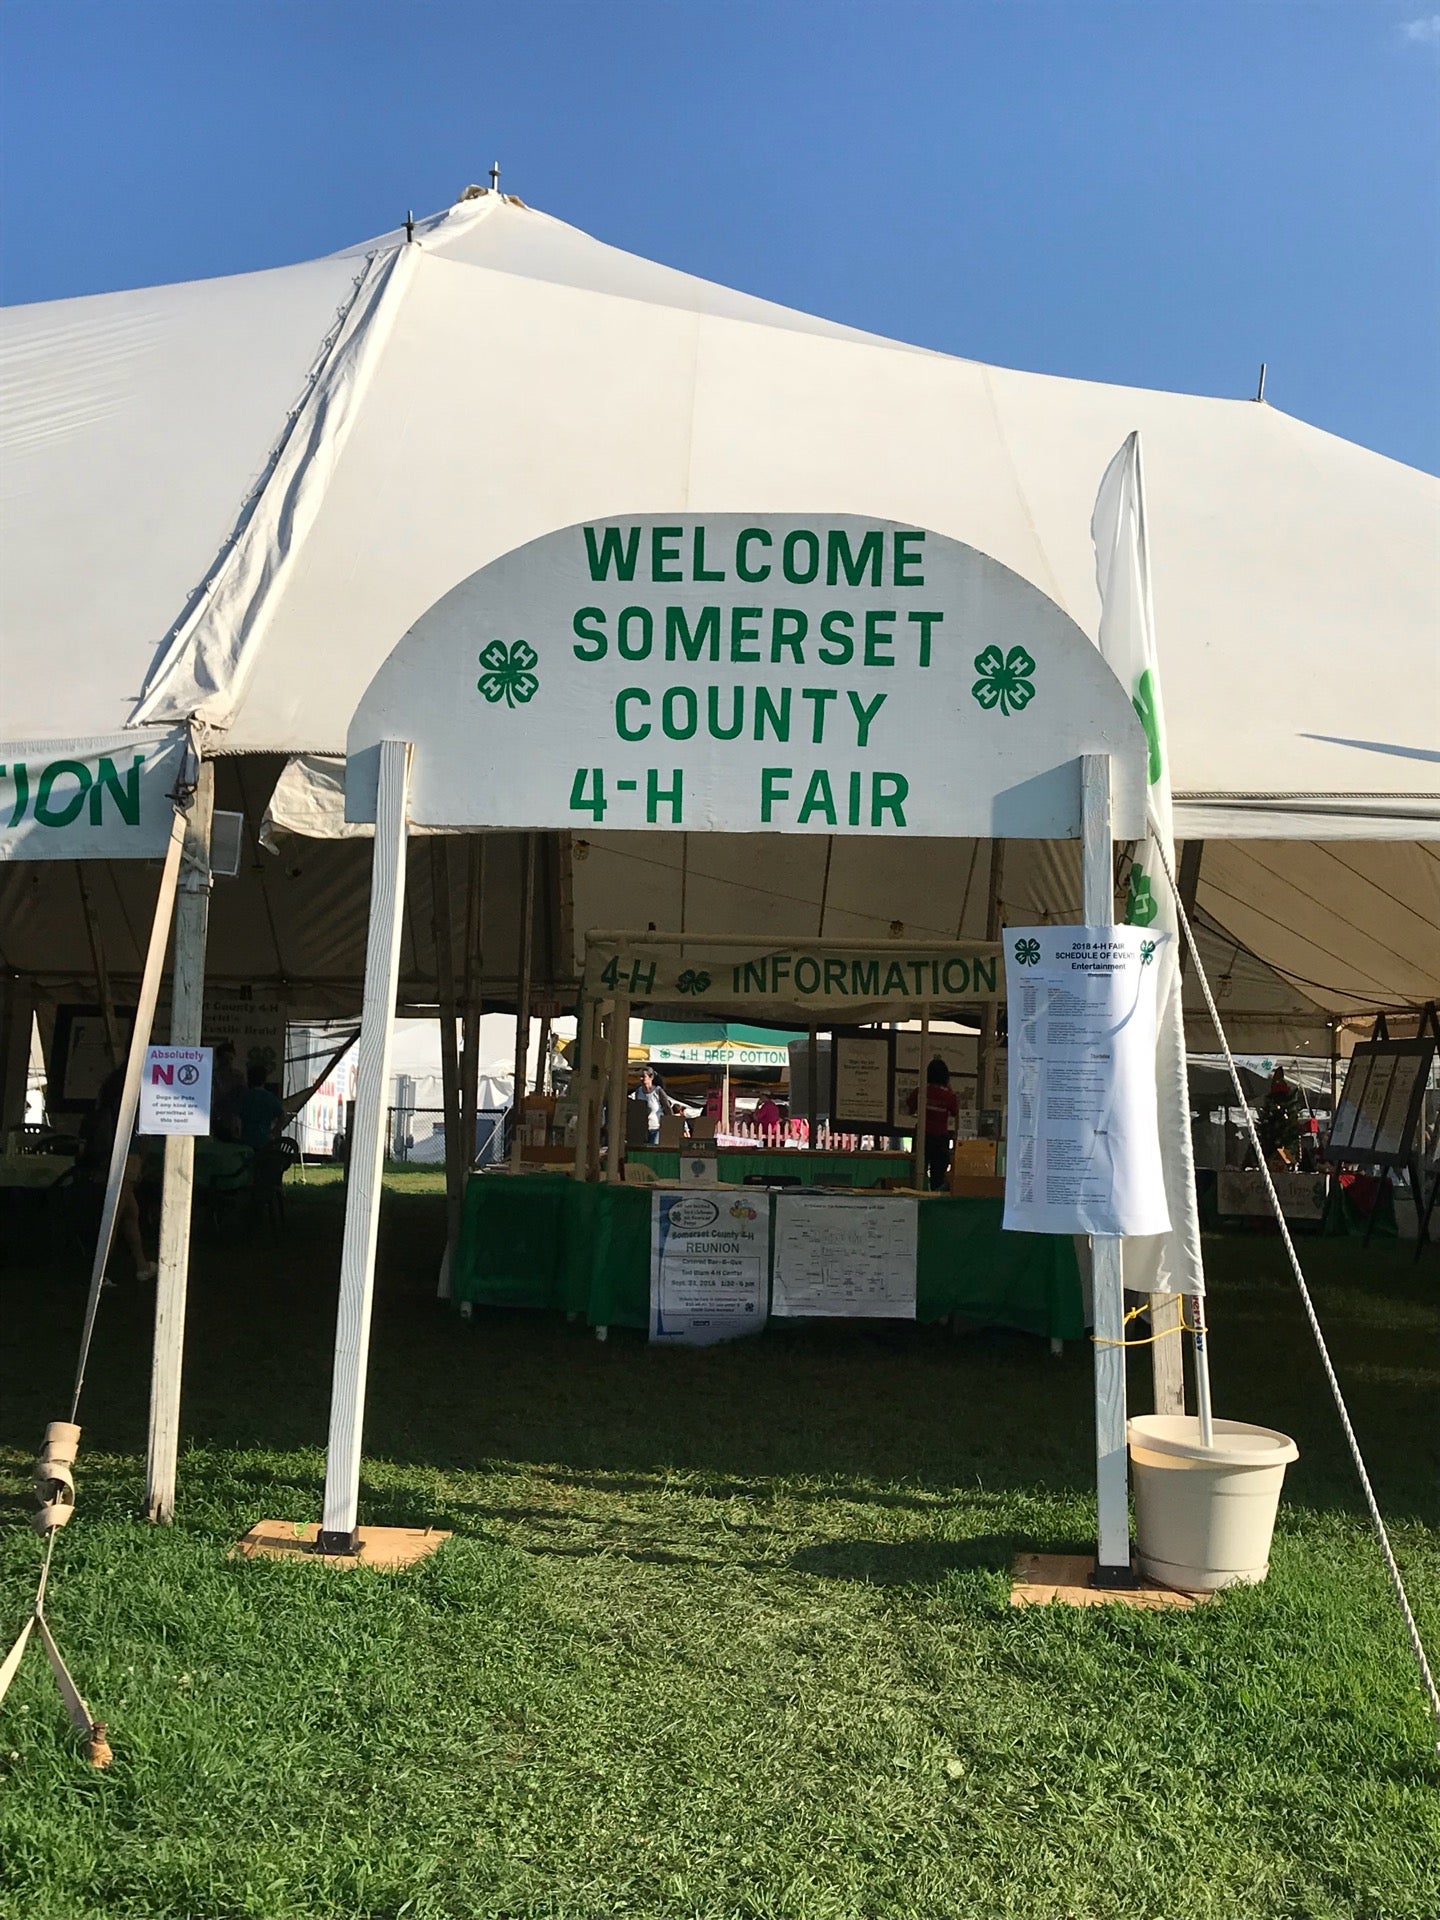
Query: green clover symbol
point(692, 980)
point(1141, 907)
point(1004, 679)
point(1146, 705)
point(1027, 952)
point(1147, 952)
point(507, 674)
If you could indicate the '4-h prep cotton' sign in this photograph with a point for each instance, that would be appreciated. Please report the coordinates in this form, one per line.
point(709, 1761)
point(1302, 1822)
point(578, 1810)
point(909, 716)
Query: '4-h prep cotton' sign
point(740, 673)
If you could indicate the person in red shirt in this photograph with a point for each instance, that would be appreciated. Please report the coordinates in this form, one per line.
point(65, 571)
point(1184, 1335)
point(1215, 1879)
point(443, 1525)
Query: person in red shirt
point(941, 1114)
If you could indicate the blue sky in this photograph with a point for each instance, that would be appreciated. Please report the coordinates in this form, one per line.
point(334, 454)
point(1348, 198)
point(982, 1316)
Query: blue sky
point(1158, 193)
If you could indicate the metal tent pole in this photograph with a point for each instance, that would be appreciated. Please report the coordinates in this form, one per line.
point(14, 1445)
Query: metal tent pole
point(1112, 1474)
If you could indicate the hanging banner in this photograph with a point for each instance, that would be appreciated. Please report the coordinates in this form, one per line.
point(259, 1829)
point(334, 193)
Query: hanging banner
point(93, 799)
point(845, 1256)
point(874, 983)
point(253, 1028)
point(1084, 1143)
point(709, 1266)
point(749, 673)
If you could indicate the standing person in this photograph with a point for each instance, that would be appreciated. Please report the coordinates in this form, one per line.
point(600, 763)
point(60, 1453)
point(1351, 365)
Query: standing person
point(1279, 1123)
point(942, 1111)
point(227, 1090)
point(768, 1116)
point(261, 1111)
point(93, 1165)
point(656, 1101)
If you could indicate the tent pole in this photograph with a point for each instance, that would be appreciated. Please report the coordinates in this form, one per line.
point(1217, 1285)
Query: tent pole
point(986, 1092)
point(1112, 1560)
point(442, 931)
point(338, 1532)
point(580, 1083)
point(922, 1105)
point(542, 1053)
point(1167, 1356)
point(473, 1002)
point(102, 971)
point(594, 1092)
point(812, 1090)
point(615, 1105)
point(17, 1026)
point(522, 1005)
point(187, 1016)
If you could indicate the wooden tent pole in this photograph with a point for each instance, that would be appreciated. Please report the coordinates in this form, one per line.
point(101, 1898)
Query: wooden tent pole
point(1112, 1472)
point(441, 923)
point(922, 1104)
point(522, 1003)
point(619, 1072)
point(338, 1533)
point(473, 1002)
point(187, 1019)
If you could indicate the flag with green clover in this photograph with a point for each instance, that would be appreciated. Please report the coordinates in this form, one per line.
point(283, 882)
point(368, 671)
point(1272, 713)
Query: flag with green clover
point(1171, 1262)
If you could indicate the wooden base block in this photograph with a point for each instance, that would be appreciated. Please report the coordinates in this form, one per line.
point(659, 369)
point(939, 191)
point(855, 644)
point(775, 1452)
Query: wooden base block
point(1040, 1578)
point(384, 1548)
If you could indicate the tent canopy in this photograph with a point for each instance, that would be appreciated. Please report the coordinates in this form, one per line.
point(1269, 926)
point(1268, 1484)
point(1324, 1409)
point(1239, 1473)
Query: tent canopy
point(231, 499)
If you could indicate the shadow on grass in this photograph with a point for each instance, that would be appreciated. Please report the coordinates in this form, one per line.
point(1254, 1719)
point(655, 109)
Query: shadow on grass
point(899, 1418)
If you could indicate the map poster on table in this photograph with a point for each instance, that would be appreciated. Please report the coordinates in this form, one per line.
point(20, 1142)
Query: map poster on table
point(709, 1266)
point(844, 1257)
point(860, 1095)
point(1084, 1142)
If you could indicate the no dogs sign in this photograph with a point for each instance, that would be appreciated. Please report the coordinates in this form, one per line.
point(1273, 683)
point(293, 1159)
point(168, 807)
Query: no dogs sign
point(175, 1090)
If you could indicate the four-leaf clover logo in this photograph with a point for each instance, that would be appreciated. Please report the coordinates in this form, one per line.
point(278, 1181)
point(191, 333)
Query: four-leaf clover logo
point(508, 674)
point(693, 980)
point(1147, 952)
point(1004, 679)
point(1027, 952)
point(1141, 907)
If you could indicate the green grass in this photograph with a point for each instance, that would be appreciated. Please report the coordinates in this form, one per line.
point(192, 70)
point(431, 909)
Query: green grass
point(720, 1633)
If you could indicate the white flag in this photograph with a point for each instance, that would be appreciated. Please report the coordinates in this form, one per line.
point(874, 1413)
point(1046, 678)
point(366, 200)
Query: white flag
point(1161, 1262)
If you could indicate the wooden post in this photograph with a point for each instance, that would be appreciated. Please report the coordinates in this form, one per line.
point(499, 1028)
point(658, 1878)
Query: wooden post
point(1112, 1471)
point(522, 1003)
point(470, 1053)
point(102, 971)
point(921, 1102)
point(595, 1078)
point(583, 1083)
point(187, 1018)
point(987, 1094)
point(542, 1053)
point(367, 1153)
point(17, 1023)
point(615, 1108)
point(442, 929)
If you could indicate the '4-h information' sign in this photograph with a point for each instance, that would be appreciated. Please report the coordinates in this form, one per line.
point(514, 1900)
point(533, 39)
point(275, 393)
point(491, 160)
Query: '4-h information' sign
point(747, 672)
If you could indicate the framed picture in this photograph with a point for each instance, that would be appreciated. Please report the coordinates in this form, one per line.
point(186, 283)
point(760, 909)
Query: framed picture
point(861, 1073)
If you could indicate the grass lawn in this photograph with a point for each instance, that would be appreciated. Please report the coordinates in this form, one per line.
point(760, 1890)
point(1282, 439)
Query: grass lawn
point(720, 1633)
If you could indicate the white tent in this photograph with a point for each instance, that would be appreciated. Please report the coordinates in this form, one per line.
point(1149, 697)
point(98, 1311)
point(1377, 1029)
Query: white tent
point(227, 501)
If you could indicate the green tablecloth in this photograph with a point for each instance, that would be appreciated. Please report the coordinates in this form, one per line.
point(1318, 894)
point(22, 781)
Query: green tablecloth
point(812, 1169)
point(543, 1240)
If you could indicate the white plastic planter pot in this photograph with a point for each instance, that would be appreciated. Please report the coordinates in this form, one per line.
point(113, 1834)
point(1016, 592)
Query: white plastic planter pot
point(1204, 1516)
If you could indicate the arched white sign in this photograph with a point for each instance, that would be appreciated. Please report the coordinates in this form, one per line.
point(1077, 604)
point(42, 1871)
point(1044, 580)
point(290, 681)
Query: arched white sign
point(741, 673)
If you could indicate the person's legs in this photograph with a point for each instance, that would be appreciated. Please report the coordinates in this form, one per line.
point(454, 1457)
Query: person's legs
point(937, 1160)
point(127, 1219)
